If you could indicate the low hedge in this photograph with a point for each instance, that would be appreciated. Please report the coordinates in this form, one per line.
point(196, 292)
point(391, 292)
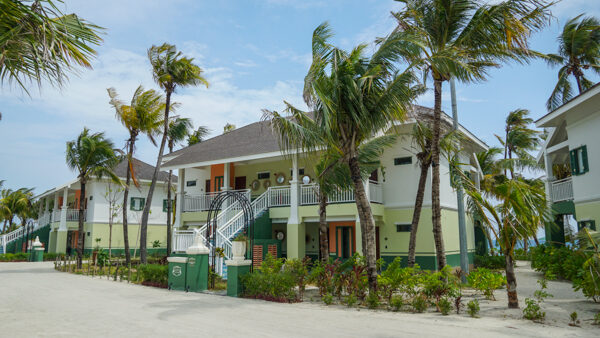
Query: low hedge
point(154, 275)
point(490, 262)
point(14, 257)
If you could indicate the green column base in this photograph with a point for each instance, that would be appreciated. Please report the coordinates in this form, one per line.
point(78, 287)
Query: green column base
point(61, 241)
point(38, 254)
point(235, 271)
point(177, 273)
point(197, 273)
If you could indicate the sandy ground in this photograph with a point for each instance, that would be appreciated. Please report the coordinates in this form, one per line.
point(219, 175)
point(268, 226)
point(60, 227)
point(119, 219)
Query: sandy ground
point(37, 301)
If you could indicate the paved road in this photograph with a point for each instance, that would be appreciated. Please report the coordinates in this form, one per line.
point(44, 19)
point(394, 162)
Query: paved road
point(36, 301)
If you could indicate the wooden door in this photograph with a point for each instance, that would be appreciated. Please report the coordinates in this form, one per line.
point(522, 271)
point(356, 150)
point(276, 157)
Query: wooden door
point(207, 186)
point(377, 249)
point(240, 183)
point(218, 183)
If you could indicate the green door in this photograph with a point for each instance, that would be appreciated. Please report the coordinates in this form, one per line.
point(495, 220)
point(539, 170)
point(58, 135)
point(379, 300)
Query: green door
point(218, 183)
point(344, 243)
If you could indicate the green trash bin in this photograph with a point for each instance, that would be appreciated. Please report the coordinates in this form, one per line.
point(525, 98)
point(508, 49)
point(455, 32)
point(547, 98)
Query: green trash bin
point(197, 273)
point(177, 273)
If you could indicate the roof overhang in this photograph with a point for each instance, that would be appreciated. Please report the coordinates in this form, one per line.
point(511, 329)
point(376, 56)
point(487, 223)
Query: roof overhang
point(557, 116)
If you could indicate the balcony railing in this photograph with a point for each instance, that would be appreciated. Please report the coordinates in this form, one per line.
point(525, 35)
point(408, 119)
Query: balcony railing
point(202, 202)
point(279, 196)
point(72, 215)
point(562, 190)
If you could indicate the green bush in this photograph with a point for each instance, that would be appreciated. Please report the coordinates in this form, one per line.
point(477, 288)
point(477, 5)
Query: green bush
point(328, 299)
point(490, 262)
point(14, 257)
point(419, 304)
point(473, 308)
point(533, 311)
point(486, 281)
point(440, 284)
point(445, 306)
point(50, 256)
point(351, 300)
point(373, 301)
point(397, 302)
point(154, 274)
point(270, 282)
point(299, 270)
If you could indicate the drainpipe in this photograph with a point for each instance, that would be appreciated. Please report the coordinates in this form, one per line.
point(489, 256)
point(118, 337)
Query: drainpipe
point(462, 228)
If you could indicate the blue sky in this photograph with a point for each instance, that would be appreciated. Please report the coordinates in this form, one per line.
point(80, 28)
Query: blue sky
point(255, 55)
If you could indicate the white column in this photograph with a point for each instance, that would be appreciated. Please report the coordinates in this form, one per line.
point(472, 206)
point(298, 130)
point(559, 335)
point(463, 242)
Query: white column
point(41, 211)
point(47, 204)
point(226, 177)
point(367, 190)
point(180, 198)
point(549, 176)
point(63, 211)
point(294, 192)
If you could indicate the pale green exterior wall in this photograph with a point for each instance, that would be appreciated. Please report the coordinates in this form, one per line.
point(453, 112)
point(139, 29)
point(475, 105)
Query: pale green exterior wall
point(588, 211)
point(275, 167)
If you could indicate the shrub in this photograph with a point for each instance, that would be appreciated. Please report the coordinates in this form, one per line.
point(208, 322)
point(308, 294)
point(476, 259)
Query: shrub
point(322, 275)
point(445, 306)
point(490, 262)
point(440, 284)
point(299, 271)
point(50, 256)
point(419, 304)
point(351, 300)
point(533, 311)
point(486, 281)
point(473, 308)
point(270, 282)
point(373, 301)
point(154, 274)
point(102, 258)
point(458, 304)
point(574, 320)
point(597, 319)
point(396, 303)
point(14, 257)
point(328, 299)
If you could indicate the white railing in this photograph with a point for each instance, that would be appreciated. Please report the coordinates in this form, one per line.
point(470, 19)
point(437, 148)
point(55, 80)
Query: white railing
point(56, 215)
point(562, 190)
point(45, 219)
point(202, 202)
point(16, 234)
point(183, 239)
point(309, 194)
point(376, 192)
point(73, 215)
point(279, 196)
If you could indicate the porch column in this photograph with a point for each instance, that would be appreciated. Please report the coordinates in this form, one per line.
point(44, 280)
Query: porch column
point(61, 235)
point(180, 198)
point(41, 212)
point(549, 176)
point(46, 204)
point(296, 231)
point(226, 176)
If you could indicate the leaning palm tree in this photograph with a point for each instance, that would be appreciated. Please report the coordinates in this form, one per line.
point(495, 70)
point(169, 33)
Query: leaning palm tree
point(198, 135)
point(142, 116)
point(170, 69)
point(39, 42)
point(92, 156)
point(516, 206)
point(462, 39)
point(15, 203)
point(179, 128)
point(519, 140)
point(578, 50)
point(353, 97)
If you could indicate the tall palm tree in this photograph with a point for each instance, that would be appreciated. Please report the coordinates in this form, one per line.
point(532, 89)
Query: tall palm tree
point(39, 42)
point(521, 206)
point(92, 156)
point(142, 116)
point(578, 50)
point(15, 203)
point(170, 69)
point(179, 128)
point(198, 135)
point(519, 140)
point(353, 97)
point(462, 39)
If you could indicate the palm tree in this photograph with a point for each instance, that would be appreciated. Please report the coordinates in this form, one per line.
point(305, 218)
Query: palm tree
point(39, 42)
point(170, 69)
point(228, 127)
point(519, 140)
point(92, 156)
point(353, 97)
point(179, 128)
point(462, 39)
point(578, 50)
point(15, 203)
point(198, 135)
point(521, 207)
point(142, 116)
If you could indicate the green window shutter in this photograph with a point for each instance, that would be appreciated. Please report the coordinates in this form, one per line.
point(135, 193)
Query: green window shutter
point(165, 205)
point(142, 203)
point(574, 165)
point(131, 203)
point(593, 225)
point(584, 159)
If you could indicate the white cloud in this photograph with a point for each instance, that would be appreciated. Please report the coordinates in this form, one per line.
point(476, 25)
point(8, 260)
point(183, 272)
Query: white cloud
point(298, 4)
point(245, 63)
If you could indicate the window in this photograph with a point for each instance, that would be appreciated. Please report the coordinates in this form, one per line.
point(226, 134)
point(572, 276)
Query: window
point(403, 160)
point(264, 175)
point(165, 205)
point(579, 161)
point(190, 183)
point(403, 227)
point(300, 172)
point(137, 203)
point(589, 224)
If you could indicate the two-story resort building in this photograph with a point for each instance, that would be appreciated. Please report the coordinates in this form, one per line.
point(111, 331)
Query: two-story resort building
point(571, 155)
point(284, 196)
point(57, 225)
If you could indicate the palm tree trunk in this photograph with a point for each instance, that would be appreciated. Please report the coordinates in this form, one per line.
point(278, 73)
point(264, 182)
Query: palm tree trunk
point(537, 243)
point(146, 212)
point(436, 210)
point(4, 226)
point(125, 199)
point(367, 224)
point(412, 244)
point(80, 228)
point(578, 79)
point(511, 282)
point(169, 204)
point(323, 230)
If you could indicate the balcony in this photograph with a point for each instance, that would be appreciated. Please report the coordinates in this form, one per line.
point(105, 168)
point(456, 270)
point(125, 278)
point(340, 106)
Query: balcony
point(202, 202)
point(561, 190)
point(54, 217)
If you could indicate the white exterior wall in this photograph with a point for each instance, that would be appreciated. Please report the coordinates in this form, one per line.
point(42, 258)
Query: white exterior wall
point(100, 205)
point(586, 187)
point(200, 176)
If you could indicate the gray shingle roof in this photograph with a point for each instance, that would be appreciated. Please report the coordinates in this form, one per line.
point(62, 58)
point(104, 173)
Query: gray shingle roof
point(143, 171)
point(255, 138)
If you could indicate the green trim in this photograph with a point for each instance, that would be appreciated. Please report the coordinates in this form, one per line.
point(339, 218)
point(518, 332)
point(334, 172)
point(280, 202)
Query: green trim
point(564, 208)
point(132, 204)
point(574, 155)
